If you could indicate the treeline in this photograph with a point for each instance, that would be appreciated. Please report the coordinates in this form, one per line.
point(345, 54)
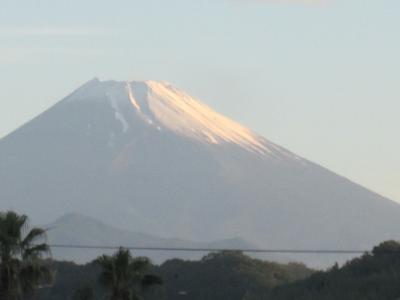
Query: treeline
point(374, 276)
point(27, 272)
point(218, 276)
point(235, 276)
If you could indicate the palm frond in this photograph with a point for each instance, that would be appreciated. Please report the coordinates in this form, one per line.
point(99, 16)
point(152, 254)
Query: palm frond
point(21, 269)
point(124, 275)
point(34, 235)
point(36, 251)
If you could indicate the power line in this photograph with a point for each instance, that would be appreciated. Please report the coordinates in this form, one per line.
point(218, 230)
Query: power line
point(179, 249)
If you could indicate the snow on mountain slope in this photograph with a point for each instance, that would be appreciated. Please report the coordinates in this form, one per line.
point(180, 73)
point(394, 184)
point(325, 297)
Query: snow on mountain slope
point(181, 113)
point(163, 106)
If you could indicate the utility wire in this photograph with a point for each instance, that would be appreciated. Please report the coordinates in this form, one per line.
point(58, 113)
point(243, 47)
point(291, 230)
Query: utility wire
point(179, 249)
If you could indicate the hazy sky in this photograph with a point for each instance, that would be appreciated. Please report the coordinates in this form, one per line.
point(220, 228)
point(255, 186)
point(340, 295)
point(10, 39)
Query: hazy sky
point(321, 78)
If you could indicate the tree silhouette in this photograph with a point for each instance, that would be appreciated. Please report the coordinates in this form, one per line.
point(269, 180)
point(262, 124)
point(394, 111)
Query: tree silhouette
point(84, 293)
point(21, 250)
point(126, 276)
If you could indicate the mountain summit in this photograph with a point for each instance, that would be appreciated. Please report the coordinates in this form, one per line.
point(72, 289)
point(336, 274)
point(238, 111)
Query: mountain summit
point(164, 107)
point(147, 157)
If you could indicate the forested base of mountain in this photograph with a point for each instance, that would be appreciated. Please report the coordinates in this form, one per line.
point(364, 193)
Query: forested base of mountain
point(374, 276)
point(219, 276)
point(235, 276)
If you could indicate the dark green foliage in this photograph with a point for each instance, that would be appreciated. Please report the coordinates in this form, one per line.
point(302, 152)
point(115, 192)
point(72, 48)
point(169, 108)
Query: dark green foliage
point(71, 278)
point(84, 293)
point(74, 281)
point(224, 275)
point(124, 276)
point(219, 276)
point(374, 276)
point(232, 275)
point(21, 251)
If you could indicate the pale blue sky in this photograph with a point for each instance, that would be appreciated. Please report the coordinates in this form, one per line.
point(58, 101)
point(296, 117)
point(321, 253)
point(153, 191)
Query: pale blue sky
point(318, 77)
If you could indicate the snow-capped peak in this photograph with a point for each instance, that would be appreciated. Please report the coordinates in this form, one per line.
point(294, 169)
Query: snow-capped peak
point(165, 107)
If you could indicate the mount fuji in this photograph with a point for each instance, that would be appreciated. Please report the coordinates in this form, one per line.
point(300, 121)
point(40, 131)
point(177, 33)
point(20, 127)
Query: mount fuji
point(147, 157)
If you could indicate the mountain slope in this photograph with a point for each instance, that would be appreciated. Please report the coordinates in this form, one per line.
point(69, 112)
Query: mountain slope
point(147, 157)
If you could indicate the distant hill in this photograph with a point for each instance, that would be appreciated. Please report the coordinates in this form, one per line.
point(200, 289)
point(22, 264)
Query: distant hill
point(77, 229)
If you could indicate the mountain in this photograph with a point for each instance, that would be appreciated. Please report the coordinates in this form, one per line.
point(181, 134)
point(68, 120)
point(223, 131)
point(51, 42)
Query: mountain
point(79, 230)
point(147, 157)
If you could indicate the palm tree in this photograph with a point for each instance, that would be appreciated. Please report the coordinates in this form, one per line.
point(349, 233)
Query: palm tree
point(21, 251)
point(125, 276)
